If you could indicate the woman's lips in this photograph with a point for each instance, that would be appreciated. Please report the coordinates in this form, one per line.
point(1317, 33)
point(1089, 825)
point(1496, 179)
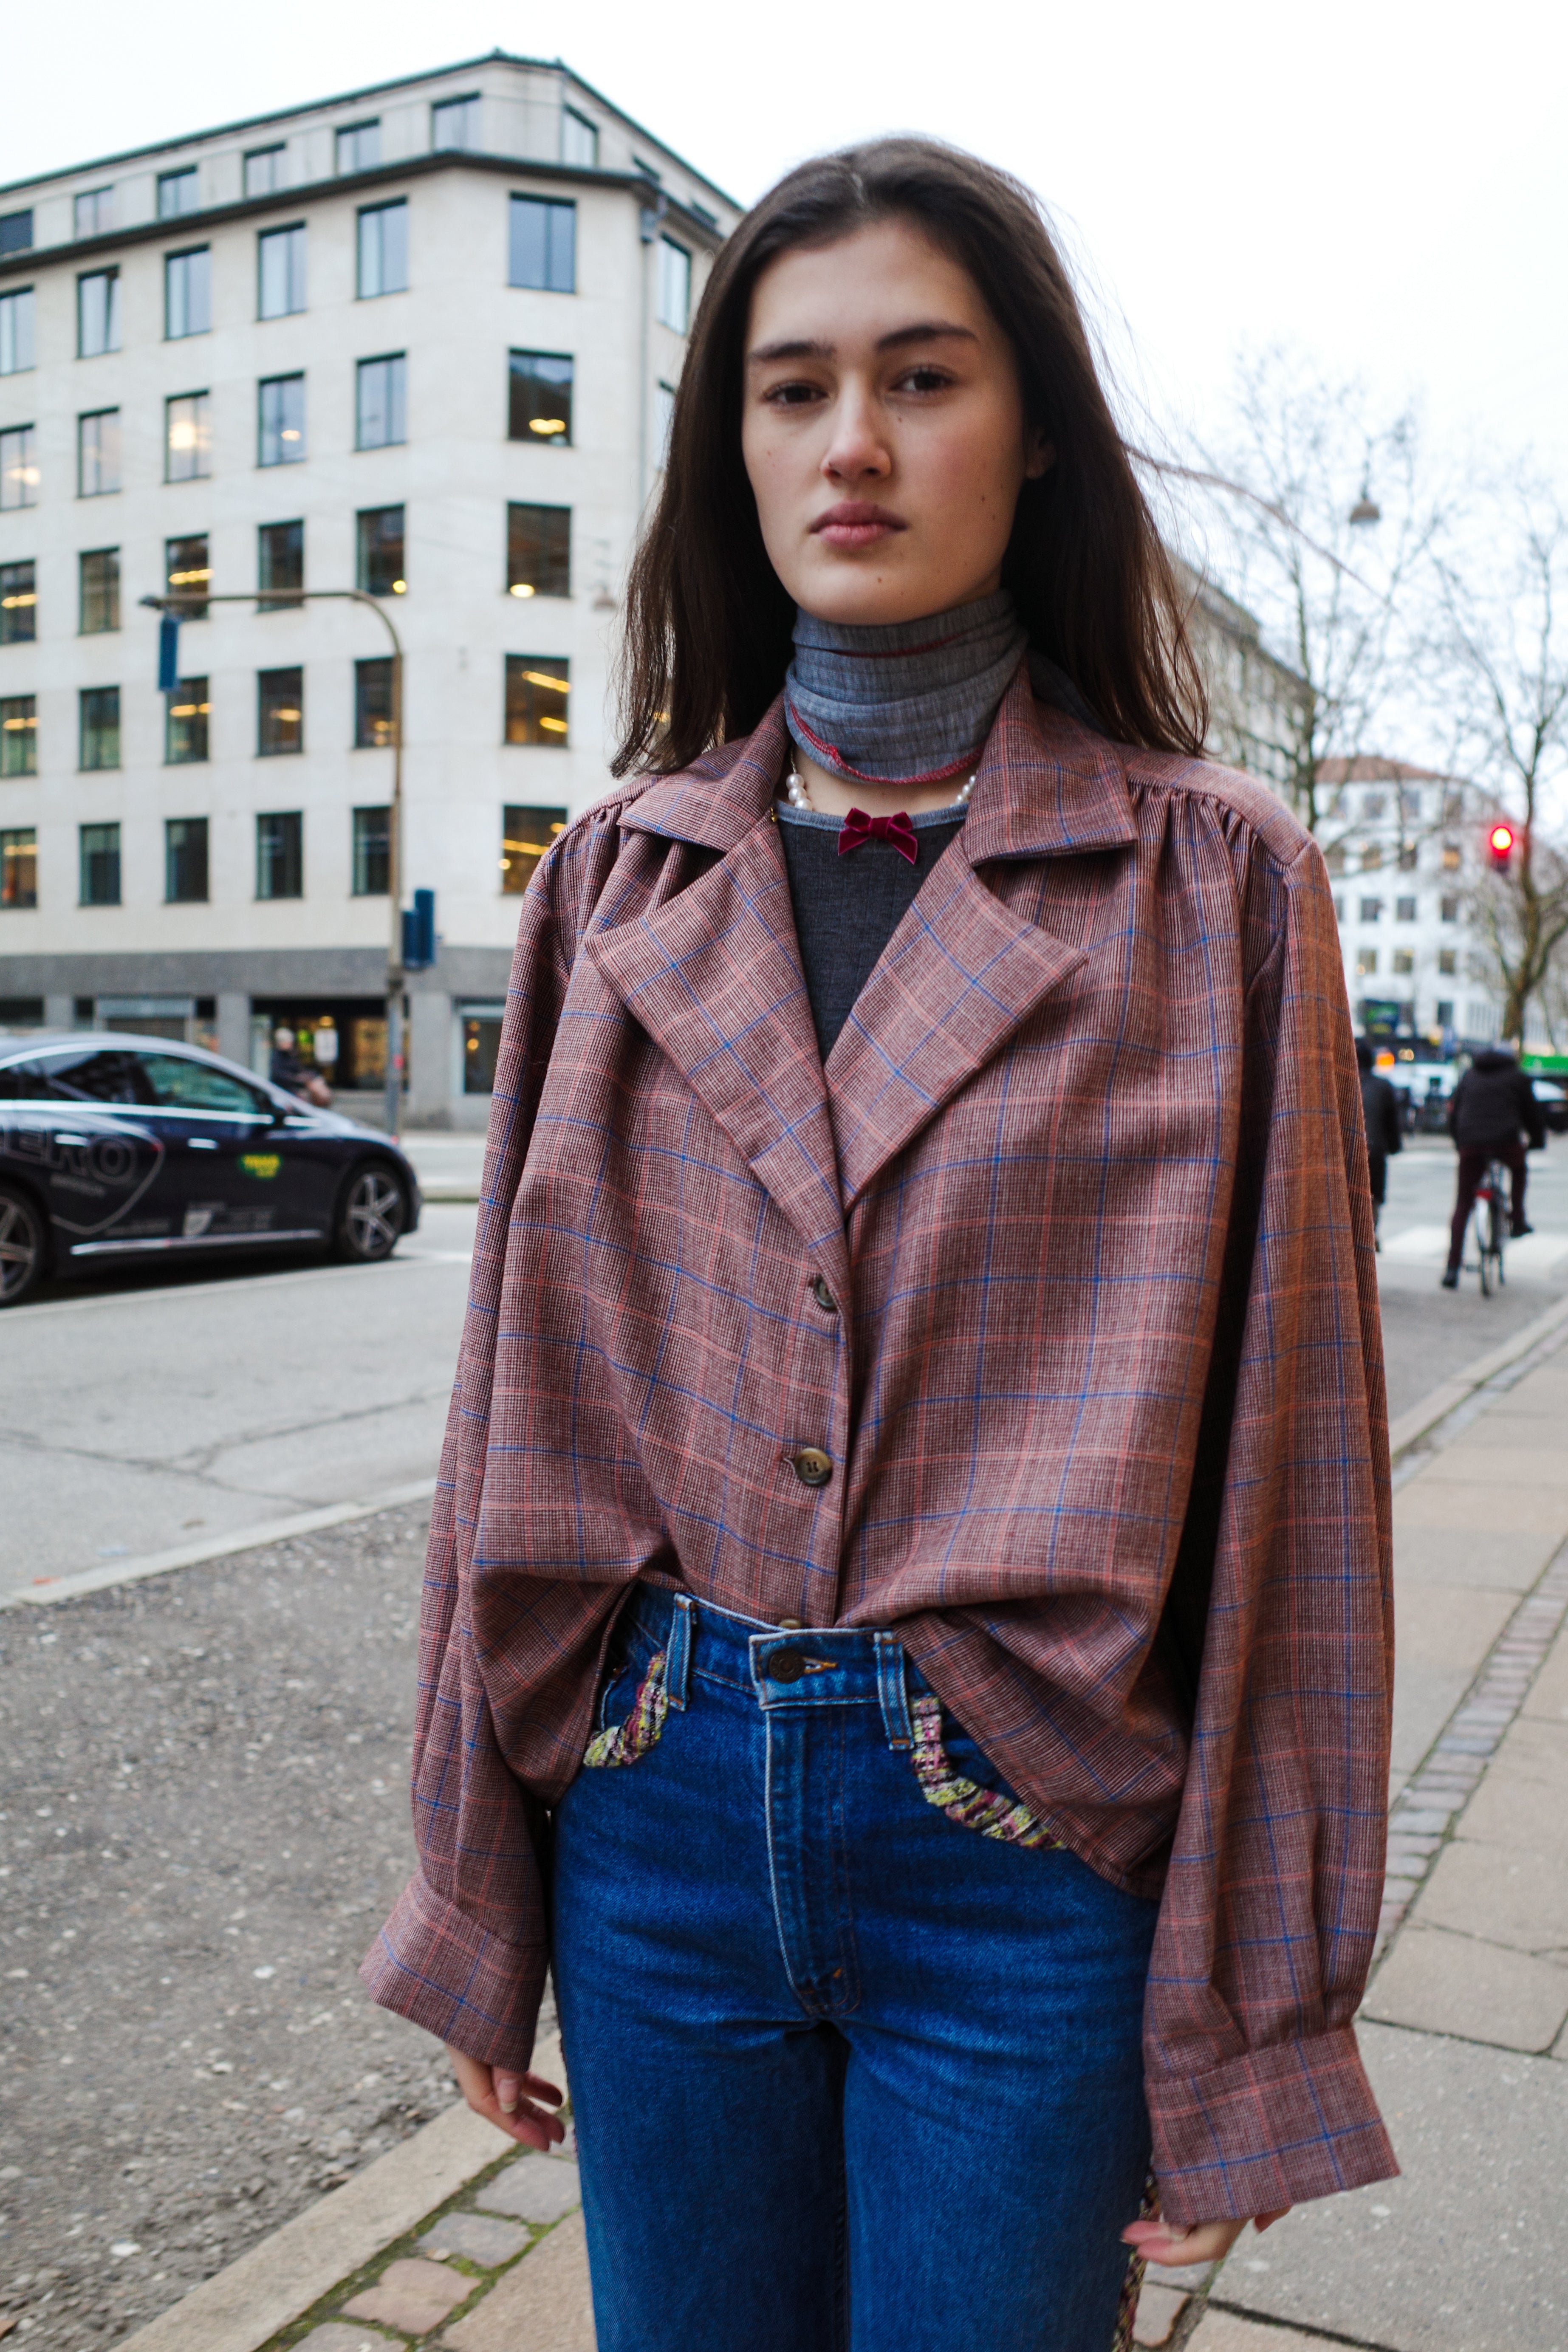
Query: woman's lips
point(857, 524)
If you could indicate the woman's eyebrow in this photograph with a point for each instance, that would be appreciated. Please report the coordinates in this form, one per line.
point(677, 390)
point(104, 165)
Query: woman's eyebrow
point(805, 347)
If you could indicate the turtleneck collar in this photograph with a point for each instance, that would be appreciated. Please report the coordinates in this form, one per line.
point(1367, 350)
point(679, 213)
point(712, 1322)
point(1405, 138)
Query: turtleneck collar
point(906, 702)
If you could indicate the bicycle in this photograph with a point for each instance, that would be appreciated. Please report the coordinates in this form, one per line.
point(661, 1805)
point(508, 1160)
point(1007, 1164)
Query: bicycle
point(1492, 1226)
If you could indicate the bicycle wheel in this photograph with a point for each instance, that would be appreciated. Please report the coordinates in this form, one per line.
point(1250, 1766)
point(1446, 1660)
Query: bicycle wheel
point(1498, 1223)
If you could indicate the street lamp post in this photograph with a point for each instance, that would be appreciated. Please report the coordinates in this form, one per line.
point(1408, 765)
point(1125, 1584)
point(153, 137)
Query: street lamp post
point(394, 974)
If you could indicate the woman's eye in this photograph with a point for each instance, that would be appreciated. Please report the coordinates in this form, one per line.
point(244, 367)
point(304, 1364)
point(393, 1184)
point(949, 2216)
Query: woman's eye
point(924, 378)
point(791, 395)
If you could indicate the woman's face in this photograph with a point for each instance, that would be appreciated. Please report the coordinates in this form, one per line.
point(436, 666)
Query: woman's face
point(883, 429)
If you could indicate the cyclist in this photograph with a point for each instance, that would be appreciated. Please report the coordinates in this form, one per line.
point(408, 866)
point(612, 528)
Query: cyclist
point(1380, 1114)
point(1491, 1104)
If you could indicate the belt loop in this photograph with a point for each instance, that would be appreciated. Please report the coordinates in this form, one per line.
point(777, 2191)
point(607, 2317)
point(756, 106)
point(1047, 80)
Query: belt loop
point(678, 1651)
point(891, 1691)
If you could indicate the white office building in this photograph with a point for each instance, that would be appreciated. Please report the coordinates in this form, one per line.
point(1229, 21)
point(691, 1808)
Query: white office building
point(418, 341)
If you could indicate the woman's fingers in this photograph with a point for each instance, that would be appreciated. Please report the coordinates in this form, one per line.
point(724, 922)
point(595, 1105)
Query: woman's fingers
point(506, 2099)
point(1177, 2244)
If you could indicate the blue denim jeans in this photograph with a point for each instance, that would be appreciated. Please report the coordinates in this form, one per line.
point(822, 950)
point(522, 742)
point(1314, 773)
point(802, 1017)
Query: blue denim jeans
point(846, 2072)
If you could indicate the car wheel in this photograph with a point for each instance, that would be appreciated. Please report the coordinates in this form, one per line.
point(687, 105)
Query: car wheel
point(23, 1246)
point(371, 1214)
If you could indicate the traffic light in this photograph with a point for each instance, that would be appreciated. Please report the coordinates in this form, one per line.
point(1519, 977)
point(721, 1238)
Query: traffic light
point(1499, 845)
point(419, 932)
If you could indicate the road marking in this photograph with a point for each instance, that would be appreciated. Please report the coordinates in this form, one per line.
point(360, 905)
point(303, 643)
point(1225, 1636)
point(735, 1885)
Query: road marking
point(1535, 1255)
point(179, 1290)
point(158, 1563)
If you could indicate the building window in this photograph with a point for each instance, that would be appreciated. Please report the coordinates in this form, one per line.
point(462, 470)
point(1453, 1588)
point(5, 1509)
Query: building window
point(1449, 962)
point(18, 467)
point(1339, 910)
point(1373, 806)
point(371, 851)
point(97, 313)
point(543, 245)
point(281, 855)
point(98, 454)
point(373, 704)
point(455, 122)
point(17, 342)
point(280, 271)
point(19, 866)
point(19, 604)
point(383, 249)
point(359, 147)
point(1452, 860)
point(19, 735)
point(94, 213)
point(481, 1046)
point(280, 717)
point(185, 860)
point(187, 293)
point(579, 141)
point(186, 729)
point(1371, 910)
point(179, 193)
point(539, 550)
point(100, 727)
point(1409, 857)
point(280, 420)
point(1366, 964)
point(1335, 857)
point(1371, 858)
point(379, 415)
point(1410, 801)
point(539, 397)
point(187, 570)
point(187, 437)
point(526, 834)
point(1444, 1012)
point(280, 565)
point(663, 422)
point(380, 545)
point(264, 171)
point(99, 865)
point(16, 233)
point(1405, 910)
point(98, 598)
point(1404, 961)
point(537, 686)
point(673, 285)
point(1449, 909)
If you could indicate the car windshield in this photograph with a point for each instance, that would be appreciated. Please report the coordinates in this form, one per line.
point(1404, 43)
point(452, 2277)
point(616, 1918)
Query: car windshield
point(175, 1083)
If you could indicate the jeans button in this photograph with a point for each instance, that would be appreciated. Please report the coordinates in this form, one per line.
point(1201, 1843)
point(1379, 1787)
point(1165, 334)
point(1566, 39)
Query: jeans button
point(824, 1296)
point(785, 1666)
point(812, 1466)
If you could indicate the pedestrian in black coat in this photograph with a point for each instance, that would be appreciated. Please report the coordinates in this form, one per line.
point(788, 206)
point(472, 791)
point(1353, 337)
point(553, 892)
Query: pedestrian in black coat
point(1380, 1114)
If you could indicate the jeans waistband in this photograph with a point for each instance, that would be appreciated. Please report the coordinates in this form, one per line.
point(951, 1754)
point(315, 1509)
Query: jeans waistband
point(783, 1668)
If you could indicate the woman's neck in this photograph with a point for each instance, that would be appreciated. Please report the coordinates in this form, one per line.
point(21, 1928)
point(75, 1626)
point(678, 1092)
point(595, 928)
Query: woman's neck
point(833, 796)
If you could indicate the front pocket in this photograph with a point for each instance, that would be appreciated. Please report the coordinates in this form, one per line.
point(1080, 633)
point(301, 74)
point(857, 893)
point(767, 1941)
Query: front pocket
point(965, 1801)
point(623, 1743)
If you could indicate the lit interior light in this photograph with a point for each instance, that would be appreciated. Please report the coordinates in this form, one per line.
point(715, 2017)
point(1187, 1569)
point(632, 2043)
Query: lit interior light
point(547, 424)
point(556, 726)
point(291, 716)
point(14, 726)
point(291, 432)
point(400, 587)
point(10, 603)
point(188, 579)
point(522, 587)
point(542, 677)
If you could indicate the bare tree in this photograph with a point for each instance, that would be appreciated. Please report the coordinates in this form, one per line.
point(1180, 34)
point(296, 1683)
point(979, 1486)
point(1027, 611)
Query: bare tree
point(1505, 671)
point(1323, 517)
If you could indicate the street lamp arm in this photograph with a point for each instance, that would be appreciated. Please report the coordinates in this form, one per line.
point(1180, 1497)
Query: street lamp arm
point(275, 596)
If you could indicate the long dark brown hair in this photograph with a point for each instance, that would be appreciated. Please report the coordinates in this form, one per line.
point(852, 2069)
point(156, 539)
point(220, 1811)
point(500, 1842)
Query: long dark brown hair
point(708, 620)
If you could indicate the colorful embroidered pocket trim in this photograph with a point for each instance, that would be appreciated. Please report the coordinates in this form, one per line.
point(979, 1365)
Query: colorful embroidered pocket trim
point(965, 1801)
point(625, 1742)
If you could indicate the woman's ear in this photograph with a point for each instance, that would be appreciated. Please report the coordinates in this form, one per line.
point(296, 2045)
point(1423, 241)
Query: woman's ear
point(1039, 454)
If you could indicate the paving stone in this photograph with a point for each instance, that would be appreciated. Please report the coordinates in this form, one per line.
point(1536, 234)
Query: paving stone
point(1549, 1699)
point(1411, 1822)
point(1519, 1803)
point(542, 2305)
point(411, 2294)
point(1463, 2254)
point(1444, 1983)
point(1225, 2331)
point(1158, 2309)
point(1430, 1504)
point(1505, 1894)
point(1443, 1554)
point(336, 2337)
point(476, 2236)
point(535, 2188)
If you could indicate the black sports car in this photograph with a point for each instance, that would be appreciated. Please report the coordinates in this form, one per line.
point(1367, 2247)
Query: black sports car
point(115, 1150)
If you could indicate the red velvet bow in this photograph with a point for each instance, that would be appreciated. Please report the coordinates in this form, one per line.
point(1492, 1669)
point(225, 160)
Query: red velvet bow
point(858, 827)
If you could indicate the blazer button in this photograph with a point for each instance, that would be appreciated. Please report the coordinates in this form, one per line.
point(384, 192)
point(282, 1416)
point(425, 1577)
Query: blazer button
point(824, 1296)
point(812, 1466)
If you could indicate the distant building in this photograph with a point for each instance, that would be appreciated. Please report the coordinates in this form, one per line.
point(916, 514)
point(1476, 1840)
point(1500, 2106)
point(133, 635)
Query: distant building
point(420, 340)
point(1258, 704)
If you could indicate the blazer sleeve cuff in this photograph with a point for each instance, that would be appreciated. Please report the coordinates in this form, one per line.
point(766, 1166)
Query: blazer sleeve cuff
point(438, 1967)
point(1278, 2126)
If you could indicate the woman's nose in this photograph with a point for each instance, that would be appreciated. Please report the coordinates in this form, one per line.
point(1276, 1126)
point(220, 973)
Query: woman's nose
point(857, 448)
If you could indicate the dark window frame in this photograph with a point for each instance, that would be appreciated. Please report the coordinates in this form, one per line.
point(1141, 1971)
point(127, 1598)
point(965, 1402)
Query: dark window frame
point(107, 591)
point(196, 850)
point(532, 696)
point(527, 829)
point(372, 561)
point(538, 550)
point(372, 703)
point(296, 245)
point(281, 429)
point(204, 281)
point(94, 732)
point(533, 398)
point(18, 735)
point(19, 602)
point(106, 846)
point(275, 697)
point(108, 274)
point(395, 399)
point(18, 847)
point(376, 214)
point(181, 577)
point(552, 224)
point(372, 845)
point(272, 596)
point(286, 848)
point(186, 732)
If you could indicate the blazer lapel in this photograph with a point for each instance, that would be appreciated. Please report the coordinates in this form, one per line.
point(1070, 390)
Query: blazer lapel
point(714, 977)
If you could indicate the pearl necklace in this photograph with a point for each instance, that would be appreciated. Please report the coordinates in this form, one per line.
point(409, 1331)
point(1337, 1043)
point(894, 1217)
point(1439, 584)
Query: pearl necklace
point(798, 797)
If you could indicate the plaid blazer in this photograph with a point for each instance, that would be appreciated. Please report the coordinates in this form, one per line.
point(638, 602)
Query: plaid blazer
point(1084, 1174)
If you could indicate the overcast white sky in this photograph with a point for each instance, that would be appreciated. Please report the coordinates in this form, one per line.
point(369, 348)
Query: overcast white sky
point(1386, 184)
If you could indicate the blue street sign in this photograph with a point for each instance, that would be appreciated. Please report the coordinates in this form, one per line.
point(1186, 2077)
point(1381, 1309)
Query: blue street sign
point(168, 652)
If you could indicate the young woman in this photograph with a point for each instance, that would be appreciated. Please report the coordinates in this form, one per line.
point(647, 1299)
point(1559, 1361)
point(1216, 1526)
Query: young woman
point(906, 1634)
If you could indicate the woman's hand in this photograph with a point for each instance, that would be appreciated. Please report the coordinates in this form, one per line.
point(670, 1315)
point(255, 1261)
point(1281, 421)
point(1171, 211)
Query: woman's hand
point(506, 2099)
point(1177, 2244)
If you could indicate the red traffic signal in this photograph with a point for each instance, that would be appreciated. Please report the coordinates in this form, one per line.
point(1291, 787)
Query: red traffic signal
point(1499, 842)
